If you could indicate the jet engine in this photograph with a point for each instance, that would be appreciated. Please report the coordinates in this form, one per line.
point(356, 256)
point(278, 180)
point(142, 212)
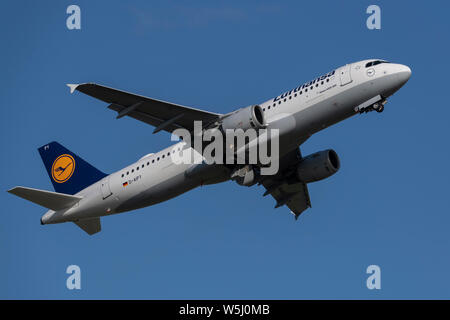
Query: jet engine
point(245, 118)
point(318, 166)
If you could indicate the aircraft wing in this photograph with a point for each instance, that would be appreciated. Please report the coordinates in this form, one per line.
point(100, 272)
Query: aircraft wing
point(285, 187)
point(163, 115)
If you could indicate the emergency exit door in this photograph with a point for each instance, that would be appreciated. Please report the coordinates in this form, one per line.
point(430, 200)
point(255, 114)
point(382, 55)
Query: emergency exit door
point(106, 190)
point(345, 75)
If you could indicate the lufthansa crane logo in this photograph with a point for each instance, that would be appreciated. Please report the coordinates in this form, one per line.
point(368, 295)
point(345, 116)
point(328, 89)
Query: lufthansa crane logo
point(63, 168)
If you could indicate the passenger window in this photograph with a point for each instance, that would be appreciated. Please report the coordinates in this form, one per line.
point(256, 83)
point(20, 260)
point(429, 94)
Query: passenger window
point(148, 163)
point(153, 161)
point(128, 172)
point(132, 171)
point(122, 175)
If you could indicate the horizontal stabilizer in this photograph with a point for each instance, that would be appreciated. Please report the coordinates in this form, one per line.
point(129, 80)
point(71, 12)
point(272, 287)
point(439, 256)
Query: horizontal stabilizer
point(90, 226)
point(48, 199)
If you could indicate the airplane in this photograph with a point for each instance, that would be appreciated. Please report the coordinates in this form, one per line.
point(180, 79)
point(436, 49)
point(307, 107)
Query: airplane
point(83, 193)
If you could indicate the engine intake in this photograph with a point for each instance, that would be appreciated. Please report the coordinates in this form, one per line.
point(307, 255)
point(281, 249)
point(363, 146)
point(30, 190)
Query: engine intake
point(318, 166)
point(245, 118)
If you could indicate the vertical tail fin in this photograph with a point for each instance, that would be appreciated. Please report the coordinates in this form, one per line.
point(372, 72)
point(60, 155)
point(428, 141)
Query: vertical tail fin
point(68, 172)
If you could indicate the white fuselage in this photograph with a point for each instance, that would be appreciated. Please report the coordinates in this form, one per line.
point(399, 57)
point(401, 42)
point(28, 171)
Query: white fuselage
point(297, 114)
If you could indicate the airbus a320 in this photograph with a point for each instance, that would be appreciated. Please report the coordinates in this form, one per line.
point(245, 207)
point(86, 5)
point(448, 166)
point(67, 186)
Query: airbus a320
point(83, 193)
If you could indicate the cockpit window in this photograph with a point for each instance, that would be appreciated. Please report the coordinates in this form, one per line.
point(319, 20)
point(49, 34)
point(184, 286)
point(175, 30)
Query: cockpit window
point(375, 62)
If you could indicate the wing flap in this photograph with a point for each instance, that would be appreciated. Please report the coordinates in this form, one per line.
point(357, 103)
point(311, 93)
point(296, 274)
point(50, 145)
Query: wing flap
point(294, 195)
point(285, 188)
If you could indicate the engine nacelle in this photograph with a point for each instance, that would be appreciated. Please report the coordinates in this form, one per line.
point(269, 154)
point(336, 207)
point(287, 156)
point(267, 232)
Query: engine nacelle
point(245, 118)
point(318, 166)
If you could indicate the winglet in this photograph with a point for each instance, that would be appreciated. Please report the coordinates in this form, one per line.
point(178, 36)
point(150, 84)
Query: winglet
point(296, 215)
point(72, 87)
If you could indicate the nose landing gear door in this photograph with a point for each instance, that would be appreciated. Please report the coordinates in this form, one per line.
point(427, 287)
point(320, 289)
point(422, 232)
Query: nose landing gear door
point(106, 190)
point(345, 75)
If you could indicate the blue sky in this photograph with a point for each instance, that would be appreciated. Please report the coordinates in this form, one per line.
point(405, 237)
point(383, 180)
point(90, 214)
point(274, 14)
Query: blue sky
point(388, 205)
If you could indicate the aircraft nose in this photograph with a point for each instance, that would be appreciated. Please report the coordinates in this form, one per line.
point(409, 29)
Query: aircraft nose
point(400, 74)
point(403, 74)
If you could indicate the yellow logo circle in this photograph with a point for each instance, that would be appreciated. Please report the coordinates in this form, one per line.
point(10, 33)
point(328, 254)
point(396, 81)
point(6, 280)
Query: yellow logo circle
point(63, 168)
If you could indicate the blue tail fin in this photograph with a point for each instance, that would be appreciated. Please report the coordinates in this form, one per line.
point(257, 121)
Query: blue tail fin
point(68, 172)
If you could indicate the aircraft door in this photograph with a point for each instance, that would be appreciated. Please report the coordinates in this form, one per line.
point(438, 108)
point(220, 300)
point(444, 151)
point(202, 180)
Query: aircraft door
point(345, 75)
point(106, 190)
